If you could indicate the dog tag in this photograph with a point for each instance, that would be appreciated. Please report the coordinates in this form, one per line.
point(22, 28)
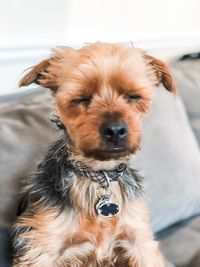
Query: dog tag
point(106, 208)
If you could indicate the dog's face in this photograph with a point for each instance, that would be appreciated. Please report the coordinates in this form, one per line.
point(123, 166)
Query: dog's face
point(102, 92)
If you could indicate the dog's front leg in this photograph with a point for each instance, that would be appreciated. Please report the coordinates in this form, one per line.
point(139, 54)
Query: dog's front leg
point(145, 255)
point(137, 241)
point(135, 254)
point(49, 238)
point(39, 236)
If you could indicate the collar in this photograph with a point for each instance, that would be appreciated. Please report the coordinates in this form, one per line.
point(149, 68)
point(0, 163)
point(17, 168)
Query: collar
point(102, 177)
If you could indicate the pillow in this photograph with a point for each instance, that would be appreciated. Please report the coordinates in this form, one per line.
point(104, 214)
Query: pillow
point(187, 78)
point(25, 133)
point(170, 162)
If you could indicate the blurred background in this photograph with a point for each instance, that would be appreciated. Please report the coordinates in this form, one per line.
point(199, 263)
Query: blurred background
point(170, 155)
point(28, 29)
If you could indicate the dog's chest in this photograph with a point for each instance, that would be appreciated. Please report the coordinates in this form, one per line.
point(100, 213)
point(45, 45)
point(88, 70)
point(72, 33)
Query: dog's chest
point(93, 240)
point(97, 229)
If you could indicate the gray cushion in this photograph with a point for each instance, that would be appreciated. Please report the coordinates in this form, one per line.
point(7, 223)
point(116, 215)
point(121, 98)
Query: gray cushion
point(187, 78)
point(169, 264)
point(170, 162)
point(181, 243)
point(25, 133)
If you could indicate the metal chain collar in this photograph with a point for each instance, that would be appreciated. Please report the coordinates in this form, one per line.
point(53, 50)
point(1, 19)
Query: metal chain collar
point(102, 177)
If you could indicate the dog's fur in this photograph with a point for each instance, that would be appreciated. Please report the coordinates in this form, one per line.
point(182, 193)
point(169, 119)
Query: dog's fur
point(95, 84)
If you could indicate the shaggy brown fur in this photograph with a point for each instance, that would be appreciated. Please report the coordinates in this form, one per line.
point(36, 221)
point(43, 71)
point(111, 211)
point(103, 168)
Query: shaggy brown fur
point(95, 84)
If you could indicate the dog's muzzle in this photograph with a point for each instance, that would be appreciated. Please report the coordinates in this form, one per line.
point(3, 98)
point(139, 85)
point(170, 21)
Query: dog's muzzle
point(114, 132)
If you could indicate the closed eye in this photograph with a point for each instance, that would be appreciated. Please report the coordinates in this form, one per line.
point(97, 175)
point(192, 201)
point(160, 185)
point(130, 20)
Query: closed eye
point(84, 100)
point(133, 97)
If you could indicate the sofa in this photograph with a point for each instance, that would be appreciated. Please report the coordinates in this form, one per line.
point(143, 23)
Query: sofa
point(169, 161)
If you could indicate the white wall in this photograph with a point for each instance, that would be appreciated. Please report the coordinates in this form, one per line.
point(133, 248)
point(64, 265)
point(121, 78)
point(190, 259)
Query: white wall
point(45, 22)
point(124, 19)
point(31, 22)
point(28, 28)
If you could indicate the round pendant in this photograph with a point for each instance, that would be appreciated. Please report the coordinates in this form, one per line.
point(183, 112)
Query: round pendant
point(106, 208)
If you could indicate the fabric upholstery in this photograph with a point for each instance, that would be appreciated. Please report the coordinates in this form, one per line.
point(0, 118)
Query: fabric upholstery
point(180, 243)
point(187, 77)
point(25, 133)
point(169, 160)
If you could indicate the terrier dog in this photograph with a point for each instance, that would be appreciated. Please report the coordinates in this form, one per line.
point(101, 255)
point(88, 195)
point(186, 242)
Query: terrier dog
point(85, 204)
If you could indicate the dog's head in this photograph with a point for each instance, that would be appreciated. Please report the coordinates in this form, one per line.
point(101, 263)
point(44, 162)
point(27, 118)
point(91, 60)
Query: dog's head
point(102, 92)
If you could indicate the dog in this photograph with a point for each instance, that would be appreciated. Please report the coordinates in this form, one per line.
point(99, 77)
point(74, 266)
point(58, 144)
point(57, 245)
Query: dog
point(85, 205)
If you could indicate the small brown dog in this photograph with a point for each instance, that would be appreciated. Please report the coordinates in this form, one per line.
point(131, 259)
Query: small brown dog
point(84, 206)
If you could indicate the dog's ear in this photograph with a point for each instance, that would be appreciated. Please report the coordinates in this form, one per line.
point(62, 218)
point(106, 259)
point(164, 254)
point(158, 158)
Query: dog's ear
point(40, 74)
point(163, 73)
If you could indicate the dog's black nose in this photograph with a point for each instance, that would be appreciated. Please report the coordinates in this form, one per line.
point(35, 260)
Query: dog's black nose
point(114, 131)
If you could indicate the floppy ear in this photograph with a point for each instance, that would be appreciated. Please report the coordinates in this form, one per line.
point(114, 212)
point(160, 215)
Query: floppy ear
point(41, 75)
point(163, 73)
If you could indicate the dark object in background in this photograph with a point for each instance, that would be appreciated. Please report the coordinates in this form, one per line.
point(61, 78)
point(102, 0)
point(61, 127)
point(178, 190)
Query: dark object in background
point(5, 247)
point(190, 56)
